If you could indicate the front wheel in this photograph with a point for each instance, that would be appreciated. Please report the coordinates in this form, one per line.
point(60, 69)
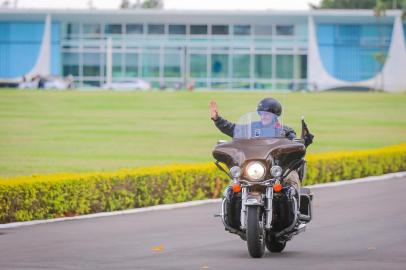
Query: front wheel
point(255, 232)
point(274, 246)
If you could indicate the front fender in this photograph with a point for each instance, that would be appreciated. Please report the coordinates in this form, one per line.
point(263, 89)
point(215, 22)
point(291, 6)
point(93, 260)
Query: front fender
point(254, 199)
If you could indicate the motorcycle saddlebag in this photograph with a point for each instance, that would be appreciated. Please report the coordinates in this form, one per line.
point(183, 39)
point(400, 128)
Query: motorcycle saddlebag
point(282, 212)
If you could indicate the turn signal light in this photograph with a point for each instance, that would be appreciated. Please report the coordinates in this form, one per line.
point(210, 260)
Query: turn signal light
point(236, 188)
point(277, 187)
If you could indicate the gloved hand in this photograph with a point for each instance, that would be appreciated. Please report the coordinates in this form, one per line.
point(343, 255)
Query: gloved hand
point(308, 139)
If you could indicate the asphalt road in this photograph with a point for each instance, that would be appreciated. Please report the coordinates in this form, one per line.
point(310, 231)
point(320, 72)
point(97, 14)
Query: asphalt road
point(360, 226)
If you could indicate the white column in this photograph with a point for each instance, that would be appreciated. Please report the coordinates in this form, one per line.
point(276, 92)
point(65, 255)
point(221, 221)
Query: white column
point(43, 64)
point(109, 61)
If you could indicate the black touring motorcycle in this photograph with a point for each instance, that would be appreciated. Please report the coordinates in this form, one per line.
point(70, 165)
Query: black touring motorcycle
point(257, 205)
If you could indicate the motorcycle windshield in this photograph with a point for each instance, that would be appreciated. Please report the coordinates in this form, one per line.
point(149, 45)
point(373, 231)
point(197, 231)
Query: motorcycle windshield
point(257, 125)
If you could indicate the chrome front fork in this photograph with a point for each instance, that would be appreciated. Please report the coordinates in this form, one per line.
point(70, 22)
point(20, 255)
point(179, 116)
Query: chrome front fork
point(268, 207)
point(243, 220)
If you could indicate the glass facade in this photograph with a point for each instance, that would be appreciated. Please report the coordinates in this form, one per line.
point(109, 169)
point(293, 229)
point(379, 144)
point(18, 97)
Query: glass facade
point(136, 29)
point(131, 65)
point(242, 30)
point(198, 29)
point(172, 65)
point(284, 30)
point(156, 29)
point(150, 65)
point(113, 29)
point(241, 66)
point(198, 65)
point(71, 64)
point(91, 64)
point(177, 29)
point(284, 66)
point(174, 55)
point(117, 65)
point(91, 29)
point(219, 30)
point(263, 66)
point(219, 65)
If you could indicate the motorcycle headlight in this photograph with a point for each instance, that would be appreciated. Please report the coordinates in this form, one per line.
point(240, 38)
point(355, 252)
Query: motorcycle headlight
point(255, 170)
point(235, 171)
point(276, 171)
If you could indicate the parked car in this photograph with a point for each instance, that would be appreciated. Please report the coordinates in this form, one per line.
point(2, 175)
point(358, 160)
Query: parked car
point(128, 85)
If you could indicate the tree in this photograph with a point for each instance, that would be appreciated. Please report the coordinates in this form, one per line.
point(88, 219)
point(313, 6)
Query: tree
point(362, 4)
point(5, 3)
point(146, 4)
point(158, 4)
point(125, 4)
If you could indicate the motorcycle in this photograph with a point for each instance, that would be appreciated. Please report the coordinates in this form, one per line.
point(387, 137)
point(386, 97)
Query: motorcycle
point(259, 205)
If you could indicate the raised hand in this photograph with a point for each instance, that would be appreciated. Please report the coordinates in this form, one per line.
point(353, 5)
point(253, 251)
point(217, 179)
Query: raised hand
point(213, 110)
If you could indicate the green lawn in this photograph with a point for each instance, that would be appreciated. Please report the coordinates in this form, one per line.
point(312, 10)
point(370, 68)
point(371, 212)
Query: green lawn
point(71, 131)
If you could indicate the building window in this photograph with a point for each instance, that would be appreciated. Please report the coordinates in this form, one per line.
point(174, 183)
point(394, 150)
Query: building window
point(284, 30)
point(172, 67)
point(150, 65)
point(72, 29)
point(91, 64)
point(242, 30)
point(263, 30)
point(131, 65)
point(177, 29)
point(302, 66)
point(198, 65)
point(198, 29)
point(70, 64)
point(263, 66)
point(91, 83)
point(91, 29)
point(113, 29)
point(241, 66)
point(156, 29)
point(219, 65)
point(284, 66)
point(116, 69)
point(134, 29)
point(219, 30)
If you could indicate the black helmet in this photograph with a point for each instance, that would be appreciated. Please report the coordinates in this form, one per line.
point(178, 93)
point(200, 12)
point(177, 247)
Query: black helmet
point(270, 105)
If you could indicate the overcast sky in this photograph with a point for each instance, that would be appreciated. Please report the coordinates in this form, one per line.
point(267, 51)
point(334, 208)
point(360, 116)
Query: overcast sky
point(174, 4)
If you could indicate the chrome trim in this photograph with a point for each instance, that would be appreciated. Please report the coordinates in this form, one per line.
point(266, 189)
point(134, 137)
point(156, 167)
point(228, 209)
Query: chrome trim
point(252, 203)
point(244, 194)
point(226, 226)
point(269, 207)
point(300, 228)
point(307, 218)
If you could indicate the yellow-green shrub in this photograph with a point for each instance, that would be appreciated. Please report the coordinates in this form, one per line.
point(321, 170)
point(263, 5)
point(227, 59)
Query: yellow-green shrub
point(56, 195)
point(336, 166)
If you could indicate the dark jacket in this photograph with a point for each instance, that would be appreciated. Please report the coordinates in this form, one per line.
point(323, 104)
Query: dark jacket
point(228, 128)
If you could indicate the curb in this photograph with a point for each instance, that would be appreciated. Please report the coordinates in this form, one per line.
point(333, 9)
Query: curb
point(360, 180)
point(192, 203)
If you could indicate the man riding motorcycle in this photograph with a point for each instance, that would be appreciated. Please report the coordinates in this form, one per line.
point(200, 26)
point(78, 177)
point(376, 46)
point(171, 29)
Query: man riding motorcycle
point(272, 106)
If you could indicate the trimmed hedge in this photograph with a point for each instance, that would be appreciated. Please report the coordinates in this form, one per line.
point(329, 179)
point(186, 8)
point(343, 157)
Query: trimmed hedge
point(57, 195)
